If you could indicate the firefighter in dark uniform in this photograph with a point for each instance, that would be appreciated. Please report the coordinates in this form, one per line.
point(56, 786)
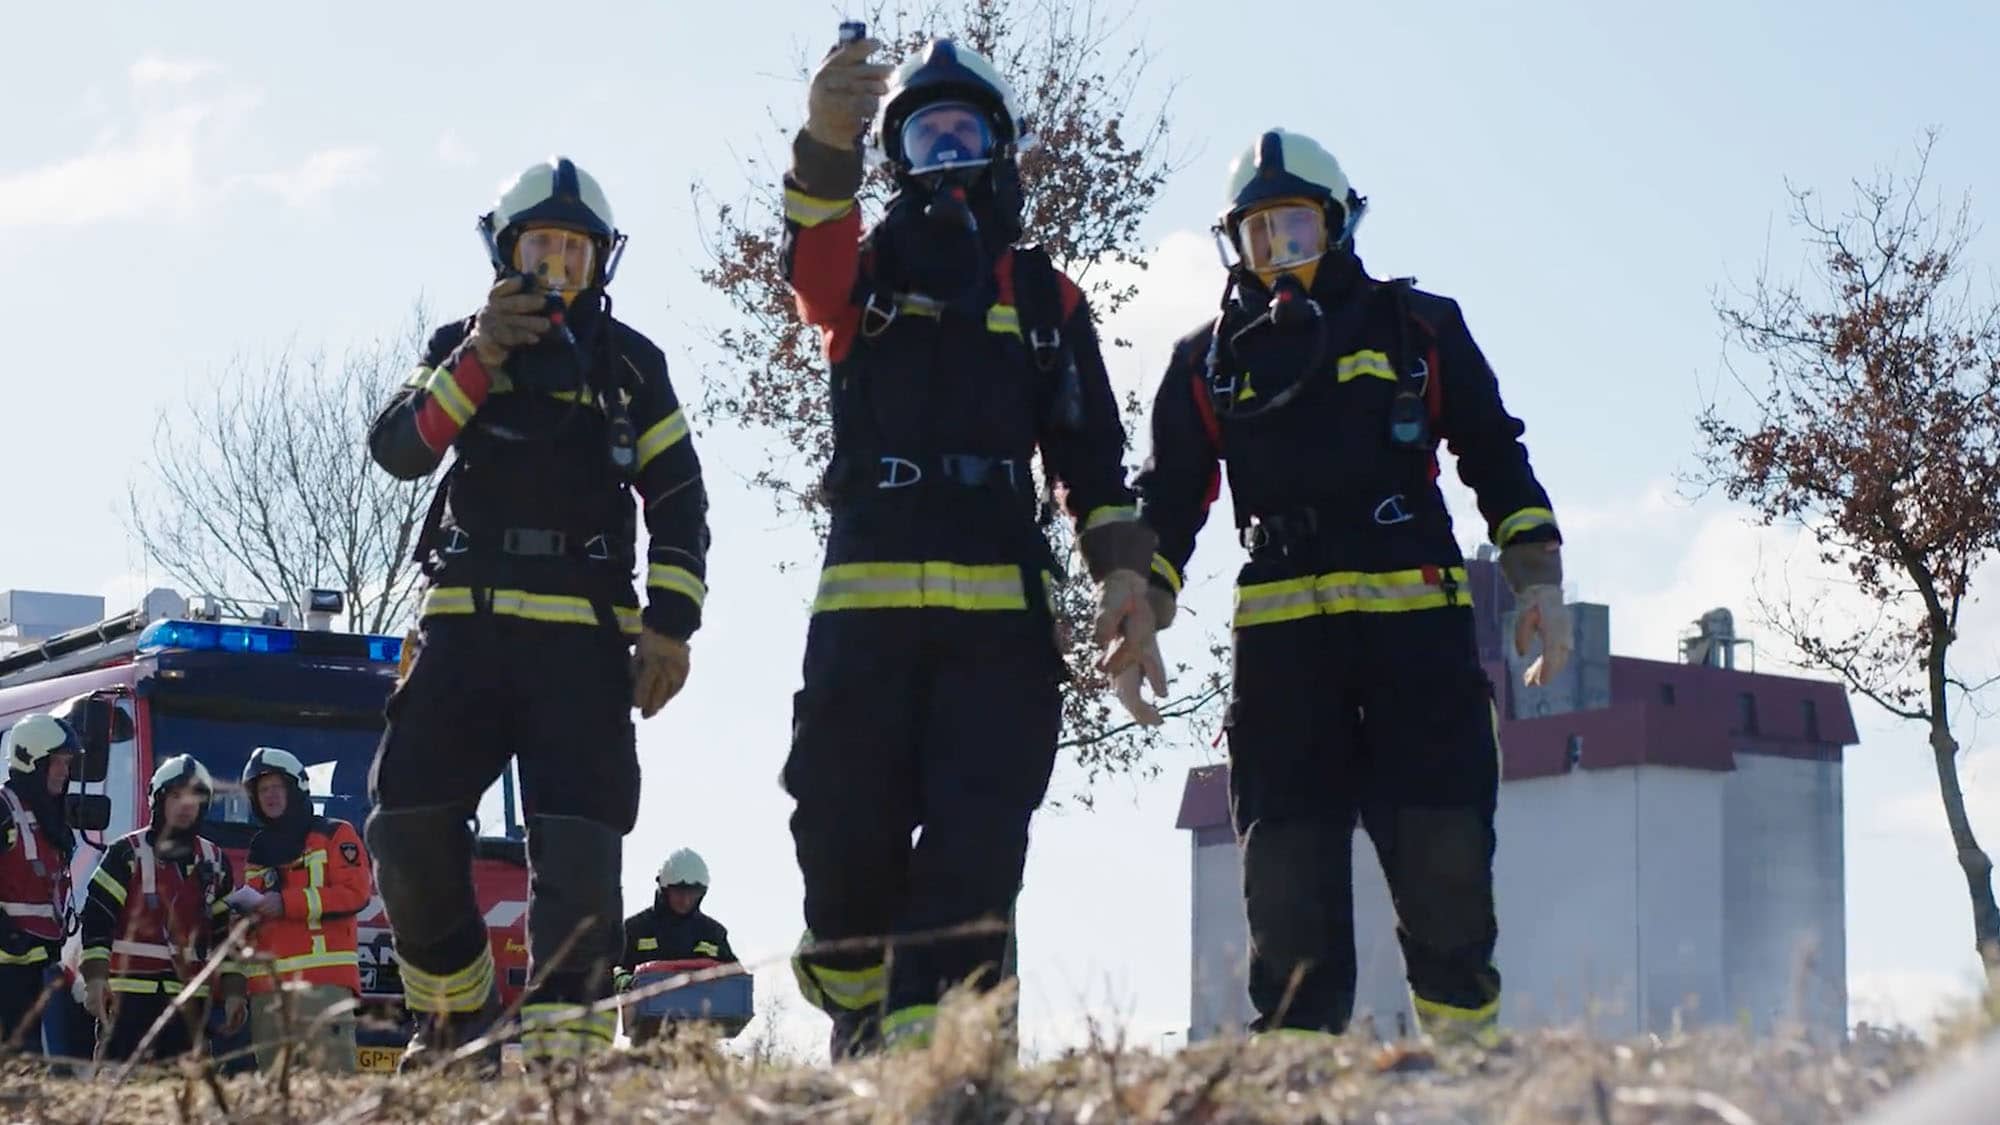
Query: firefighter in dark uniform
point(36, 845)
point(932, 673)
point(156, 912)
point(673, 928)
point(1357, 689)
point(525, 650)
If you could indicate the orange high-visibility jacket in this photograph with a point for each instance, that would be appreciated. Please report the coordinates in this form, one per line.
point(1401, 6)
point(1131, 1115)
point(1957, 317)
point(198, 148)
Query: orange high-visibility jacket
point(324, 888)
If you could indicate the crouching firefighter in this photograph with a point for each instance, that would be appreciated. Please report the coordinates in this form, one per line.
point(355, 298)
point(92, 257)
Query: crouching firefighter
point(673, 928)
point(1357, 690)
point(933, 670)
point(36, 846)
point(154, 914)
point(557, 412)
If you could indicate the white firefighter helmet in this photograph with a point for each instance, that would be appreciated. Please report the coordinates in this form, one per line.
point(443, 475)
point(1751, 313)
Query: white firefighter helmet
point(177, 769)
point(554, 193)
point(35, 737)
point(1284, 165)
point(273, 759)
point(943, 71)
point(684, 868)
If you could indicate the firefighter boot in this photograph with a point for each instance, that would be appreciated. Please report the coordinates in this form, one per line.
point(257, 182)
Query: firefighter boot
point(574, 911)
point(439, 1037)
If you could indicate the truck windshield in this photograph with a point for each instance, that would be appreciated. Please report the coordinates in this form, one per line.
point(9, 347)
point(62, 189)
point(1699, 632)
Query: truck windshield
point(336, 758)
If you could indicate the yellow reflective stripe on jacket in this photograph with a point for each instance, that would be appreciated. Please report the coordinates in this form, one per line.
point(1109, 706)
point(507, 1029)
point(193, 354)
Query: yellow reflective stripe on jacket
point(1397, 591)
point(662, 436)
point(312, 906)
point(924, 585)
point(1110, 513)
point(811, 211)
point(560, 608)
point(1363, 364)
point(145, 986)
point(463, 991)
point(324, 960)
point(999, 318)
point(707, 949)
point(1166, 570)
point(1527, 519)
point(646, 944)
point(95, 953)
point(111, 886)
point(34, 956)
point(443, 387)
point(680, 580)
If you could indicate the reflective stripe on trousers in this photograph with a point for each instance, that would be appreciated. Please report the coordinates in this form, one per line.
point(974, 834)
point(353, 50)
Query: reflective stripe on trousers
point(1350, 591)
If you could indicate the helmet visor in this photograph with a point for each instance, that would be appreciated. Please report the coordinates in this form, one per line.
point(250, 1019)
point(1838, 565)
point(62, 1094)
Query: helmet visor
point(946, 135)
point(1282, 236)
point(558, 259)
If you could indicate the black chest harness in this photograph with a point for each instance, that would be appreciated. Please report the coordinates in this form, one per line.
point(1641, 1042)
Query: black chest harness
point(1220, 392)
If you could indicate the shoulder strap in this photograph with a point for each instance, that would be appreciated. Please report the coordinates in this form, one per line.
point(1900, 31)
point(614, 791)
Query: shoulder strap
point(1038, 303)
point(24, 820)
point(423, 551)
point(148, 868)
point(1038, 299)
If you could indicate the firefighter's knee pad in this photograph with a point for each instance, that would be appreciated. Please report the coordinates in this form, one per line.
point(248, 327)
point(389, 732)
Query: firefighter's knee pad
point(574, 867)
point(1284, 894)
point(1444, 876)
point(423, 868)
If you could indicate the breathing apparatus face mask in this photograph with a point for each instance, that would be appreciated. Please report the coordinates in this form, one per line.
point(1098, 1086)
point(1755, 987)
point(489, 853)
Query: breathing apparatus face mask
point(933, 240)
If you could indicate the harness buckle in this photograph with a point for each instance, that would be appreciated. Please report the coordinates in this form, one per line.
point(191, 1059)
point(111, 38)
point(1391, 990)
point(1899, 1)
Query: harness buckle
point(456, 541)
point(597, 548)
point(884, 317)
point(533, 541)
point(1046, 351)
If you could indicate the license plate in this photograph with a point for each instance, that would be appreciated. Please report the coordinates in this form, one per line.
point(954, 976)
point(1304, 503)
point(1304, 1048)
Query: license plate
point(379, 1059)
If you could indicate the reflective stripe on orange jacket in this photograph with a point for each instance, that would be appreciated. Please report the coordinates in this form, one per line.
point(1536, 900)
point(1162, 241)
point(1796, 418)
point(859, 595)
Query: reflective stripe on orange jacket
point(324, 888)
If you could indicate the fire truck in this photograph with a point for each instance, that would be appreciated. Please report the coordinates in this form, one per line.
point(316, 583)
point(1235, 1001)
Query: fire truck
point(217, 678)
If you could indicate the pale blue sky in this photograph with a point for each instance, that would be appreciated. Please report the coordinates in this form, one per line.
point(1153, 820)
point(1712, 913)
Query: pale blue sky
point(178, 189)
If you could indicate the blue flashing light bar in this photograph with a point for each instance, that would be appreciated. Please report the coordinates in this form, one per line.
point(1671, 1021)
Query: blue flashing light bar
point(207, 636)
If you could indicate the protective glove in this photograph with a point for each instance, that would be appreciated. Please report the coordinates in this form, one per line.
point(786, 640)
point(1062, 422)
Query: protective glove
point(1542, 612)
point(511, 319)
point(659, 668)
point(1126, 628)
point(235, 1010)
point(94, 995)
point(845, 92)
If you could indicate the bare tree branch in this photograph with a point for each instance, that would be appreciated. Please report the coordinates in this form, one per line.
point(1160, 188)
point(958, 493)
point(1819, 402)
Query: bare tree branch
point(1877, 434)
point(262, 487)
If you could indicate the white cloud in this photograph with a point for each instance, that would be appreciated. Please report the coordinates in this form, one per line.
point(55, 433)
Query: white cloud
point(452, 150)
point(146, 167)
point(1178, 290)
point(312, 178)
point(153, 69)
point(161, 160)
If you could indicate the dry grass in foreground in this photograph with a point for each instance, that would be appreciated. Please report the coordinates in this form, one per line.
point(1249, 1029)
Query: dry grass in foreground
point(966, 1077)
